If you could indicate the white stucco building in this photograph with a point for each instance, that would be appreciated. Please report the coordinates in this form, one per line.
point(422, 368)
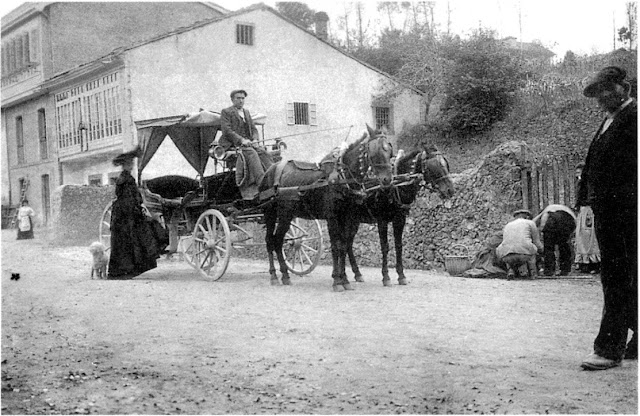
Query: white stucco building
point(310, 91)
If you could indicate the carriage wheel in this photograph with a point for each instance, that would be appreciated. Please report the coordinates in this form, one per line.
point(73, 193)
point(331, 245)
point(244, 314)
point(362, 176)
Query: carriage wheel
point(185, 246)
point(105, 226)
point(303, 246)
point(210, 249)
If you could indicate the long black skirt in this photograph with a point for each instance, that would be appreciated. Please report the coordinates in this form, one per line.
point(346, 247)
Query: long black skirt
point(134, 248)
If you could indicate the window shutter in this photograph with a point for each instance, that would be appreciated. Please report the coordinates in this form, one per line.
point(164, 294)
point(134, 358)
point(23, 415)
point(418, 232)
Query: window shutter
point(290, 115)
point(25, 49)
point(313, 118)
point(34, 46)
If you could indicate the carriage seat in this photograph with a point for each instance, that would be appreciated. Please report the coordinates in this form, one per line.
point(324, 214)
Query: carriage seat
point(151, 199)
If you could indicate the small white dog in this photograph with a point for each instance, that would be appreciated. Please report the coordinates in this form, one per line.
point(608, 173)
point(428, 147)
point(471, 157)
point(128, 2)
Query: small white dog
point(100, 260)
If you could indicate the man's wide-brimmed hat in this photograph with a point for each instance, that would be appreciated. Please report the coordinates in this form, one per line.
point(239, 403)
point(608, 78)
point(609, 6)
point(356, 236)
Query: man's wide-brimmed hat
point(130, 155)
point(523, 212)
point(608, 76)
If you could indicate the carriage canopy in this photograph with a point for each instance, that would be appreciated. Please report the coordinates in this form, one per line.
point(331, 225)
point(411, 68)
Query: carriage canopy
point(192, 134)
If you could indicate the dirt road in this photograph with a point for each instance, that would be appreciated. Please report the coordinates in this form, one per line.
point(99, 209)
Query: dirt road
point(169, 342)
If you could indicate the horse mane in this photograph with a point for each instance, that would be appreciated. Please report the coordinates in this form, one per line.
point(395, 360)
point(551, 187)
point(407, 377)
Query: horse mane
point(404, 163)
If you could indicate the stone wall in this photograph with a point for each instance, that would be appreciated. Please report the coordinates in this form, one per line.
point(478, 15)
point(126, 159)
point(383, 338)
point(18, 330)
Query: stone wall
point(486, 195)
point(77, 212)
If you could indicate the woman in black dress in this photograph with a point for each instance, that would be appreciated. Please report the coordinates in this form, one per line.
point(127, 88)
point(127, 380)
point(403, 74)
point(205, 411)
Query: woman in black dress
point(134, 249)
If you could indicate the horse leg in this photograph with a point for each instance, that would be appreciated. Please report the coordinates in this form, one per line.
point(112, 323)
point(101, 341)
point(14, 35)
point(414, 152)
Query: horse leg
point(383, 228)
point(270, 217)
point(343, 248)
point(280, 233)
point(336, 274)
point(352, 258)
point(399, 222)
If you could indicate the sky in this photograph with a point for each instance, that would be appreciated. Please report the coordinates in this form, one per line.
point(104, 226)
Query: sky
point(582, 26)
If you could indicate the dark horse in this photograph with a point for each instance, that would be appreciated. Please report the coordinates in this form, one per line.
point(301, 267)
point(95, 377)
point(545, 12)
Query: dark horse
point(393, 204)
point(312, 193)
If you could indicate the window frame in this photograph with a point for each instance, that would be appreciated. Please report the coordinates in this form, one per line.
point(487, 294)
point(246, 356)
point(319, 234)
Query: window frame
point(42, 134)
point(293, 114)
point(245, 34)
point(20, 140)
point(389, 116)
point(94, 178)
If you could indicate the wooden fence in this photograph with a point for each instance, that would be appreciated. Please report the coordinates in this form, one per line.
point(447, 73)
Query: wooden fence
point(550, 181)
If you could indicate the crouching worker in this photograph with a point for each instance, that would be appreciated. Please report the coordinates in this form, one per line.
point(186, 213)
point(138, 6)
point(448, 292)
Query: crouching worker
point(557, 223)
point(520, 244)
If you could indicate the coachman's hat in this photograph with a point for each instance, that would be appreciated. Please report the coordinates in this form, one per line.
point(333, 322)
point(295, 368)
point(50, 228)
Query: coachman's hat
point(608, 76)
point(130, 155)
point(523, 212)
point(234, 92)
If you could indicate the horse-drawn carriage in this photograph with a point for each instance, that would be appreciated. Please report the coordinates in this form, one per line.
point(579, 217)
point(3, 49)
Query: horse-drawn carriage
point(206, 217)
point(356, 183)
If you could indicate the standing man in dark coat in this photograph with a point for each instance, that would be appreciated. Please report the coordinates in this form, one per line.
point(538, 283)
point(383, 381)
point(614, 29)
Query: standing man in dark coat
point(239, 131)
point(609, 185)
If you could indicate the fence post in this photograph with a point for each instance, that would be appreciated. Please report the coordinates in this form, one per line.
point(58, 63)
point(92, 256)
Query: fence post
point(567, 181)
point(555, 180)
point(524, 183)
point(545, 183)
point(535, 197)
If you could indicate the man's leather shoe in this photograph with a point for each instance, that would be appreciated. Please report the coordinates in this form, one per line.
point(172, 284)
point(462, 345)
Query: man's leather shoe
point(595, 362)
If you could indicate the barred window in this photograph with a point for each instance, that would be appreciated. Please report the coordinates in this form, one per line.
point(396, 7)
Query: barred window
point(93, 108)
point(20, 139)
point(383, 118)
point(244, 34)
point(301, 113)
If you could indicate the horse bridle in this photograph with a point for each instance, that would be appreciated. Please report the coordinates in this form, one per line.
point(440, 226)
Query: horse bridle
point(425, 157)
point(364, 162)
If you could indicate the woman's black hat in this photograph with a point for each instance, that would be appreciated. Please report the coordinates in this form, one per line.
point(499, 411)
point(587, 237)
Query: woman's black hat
point(130, 155)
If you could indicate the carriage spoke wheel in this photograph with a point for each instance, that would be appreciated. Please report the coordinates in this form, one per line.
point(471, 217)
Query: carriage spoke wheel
point(303, 246)
point(210, 248)
point(105, 227)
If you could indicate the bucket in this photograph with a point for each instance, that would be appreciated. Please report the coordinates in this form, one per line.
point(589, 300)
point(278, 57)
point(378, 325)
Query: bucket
point(456, 265)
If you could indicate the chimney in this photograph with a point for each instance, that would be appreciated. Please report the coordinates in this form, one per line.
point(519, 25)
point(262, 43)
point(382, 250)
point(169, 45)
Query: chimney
point(321, 19)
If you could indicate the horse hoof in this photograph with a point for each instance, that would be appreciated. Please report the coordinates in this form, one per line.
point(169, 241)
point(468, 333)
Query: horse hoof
point(338, 288)
point(386, 283)
point(275, 282)
point(286, 282)
point(347, 286)
point(359, 278)
point(402, 281)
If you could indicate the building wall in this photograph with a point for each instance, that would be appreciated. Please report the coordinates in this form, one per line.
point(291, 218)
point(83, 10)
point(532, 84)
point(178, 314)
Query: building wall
point(170, 76)
point(83, 31)
point(34, 166)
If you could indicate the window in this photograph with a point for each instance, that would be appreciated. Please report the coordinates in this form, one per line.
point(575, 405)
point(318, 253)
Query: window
point(46, 199)
point(89, 112)
point(95, 180)
point(42, 134)
point(383, 118)
point(299, 113)
point(244, 34)
point(19, 140)
point(20, 53)
point(113, 176)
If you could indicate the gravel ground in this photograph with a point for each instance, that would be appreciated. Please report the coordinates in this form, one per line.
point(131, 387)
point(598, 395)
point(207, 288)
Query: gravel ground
point(170, 342)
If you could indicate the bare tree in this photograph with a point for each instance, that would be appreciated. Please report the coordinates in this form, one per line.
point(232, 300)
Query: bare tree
point(632, 15)
point(389, 8)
